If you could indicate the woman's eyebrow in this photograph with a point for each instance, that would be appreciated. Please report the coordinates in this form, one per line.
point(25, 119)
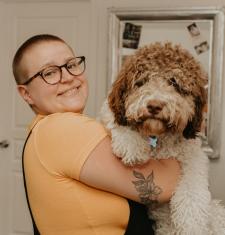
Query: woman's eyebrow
point(48, 64)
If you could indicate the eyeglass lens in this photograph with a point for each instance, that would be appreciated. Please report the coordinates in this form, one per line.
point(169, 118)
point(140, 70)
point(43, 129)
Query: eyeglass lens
point(52, 74)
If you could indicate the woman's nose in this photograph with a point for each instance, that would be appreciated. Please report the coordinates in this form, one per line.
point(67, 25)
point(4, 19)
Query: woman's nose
point(66, 76)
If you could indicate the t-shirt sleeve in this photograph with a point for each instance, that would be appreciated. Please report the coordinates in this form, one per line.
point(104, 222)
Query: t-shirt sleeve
point(64, 141)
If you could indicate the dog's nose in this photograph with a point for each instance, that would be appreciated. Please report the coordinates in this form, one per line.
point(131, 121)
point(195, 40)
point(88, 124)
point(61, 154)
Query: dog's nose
point(155, 106)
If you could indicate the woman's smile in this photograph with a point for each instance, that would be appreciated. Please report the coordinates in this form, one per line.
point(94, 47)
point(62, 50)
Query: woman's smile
point(70, 92)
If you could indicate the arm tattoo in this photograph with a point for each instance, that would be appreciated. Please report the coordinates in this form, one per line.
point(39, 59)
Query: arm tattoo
point(148, 191)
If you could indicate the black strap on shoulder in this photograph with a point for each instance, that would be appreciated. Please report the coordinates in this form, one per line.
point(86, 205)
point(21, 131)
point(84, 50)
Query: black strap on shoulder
point(36, 232)
point(139, 222)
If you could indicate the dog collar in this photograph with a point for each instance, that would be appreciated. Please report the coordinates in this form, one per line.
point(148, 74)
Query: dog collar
point(153, 141)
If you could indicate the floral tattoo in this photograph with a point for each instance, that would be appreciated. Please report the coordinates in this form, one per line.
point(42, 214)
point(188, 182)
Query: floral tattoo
point(148, 191)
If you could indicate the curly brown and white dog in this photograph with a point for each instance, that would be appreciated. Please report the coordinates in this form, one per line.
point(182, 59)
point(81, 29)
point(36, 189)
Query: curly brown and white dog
point(159, 96)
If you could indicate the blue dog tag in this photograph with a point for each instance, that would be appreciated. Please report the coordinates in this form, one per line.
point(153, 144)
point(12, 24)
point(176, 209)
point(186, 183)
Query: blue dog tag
point(153, 141)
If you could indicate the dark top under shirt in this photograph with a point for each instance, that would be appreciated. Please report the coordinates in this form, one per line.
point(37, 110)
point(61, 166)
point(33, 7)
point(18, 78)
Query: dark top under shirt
point(139, 223)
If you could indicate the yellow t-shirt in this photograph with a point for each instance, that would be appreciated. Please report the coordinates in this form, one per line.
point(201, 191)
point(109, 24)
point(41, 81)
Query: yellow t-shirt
point(61, 205)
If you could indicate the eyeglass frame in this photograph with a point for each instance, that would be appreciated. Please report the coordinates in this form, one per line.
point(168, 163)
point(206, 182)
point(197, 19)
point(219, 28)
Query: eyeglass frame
point(40, 73)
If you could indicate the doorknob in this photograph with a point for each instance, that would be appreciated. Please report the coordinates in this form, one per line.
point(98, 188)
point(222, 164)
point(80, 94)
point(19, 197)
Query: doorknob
point(4, 144)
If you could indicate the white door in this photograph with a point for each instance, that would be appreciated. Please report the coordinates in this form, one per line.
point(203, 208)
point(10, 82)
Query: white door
point(18, 21)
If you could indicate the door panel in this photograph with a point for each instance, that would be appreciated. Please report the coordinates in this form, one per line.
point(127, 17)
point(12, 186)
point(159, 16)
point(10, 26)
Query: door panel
point(71, 21)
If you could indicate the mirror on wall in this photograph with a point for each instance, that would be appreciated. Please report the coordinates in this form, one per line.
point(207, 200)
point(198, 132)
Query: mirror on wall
point(200, 31)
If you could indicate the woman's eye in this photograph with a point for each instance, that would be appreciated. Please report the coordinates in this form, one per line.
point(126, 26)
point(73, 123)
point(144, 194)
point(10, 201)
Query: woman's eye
point(72, 65)
point(49, 72)
point(139, 83)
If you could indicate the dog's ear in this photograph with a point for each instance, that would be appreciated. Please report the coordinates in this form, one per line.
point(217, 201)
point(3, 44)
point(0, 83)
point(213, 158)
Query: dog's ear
point(194, 125)
point(116, 98)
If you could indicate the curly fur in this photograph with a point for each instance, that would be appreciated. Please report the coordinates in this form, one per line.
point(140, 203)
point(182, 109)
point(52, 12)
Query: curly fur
point(160, 92)
point(175, 66)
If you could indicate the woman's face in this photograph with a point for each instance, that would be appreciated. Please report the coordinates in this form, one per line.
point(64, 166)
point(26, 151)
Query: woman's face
point(69, 95)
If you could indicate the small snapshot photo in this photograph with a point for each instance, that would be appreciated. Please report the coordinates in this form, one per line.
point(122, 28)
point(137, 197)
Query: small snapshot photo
point(131, 35)
point(202, 47)
point(193, 30)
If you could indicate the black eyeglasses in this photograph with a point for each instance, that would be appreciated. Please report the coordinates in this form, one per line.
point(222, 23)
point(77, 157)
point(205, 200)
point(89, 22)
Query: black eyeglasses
point(53, 74)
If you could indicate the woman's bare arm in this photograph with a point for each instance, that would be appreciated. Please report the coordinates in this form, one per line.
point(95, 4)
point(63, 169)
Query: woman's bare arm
point(152, 182)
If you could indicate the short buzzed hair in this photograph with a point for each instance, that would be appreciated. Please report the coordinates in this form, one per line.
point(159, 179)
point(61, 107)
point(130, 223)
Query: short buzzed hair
point(34, 40)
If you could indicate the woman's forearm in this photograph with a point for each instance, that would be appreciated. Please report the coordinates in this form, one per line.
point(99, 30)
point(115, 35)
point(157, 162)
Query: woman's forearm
point(155, 181)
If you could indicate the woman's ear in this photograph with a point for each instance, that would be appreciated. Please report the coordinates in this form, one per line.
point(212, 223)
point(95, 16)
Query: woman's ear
point(24, 92)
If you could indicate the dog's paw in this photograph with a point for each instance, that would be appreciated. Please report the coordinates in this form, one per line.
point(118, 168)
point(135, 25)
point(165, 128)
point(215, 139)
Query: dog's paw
point(131, 154)
point(130, 146)
point(133, 161)
point(124, 155)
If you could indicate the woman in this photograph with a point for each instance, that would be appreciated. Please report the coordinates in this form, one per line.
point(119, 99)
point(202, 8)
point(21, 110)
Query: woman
point(75, 184)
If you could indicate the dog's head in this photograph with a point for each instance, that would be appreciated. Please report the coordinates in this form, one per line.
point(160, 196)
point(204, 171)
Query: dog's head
point(160, 89)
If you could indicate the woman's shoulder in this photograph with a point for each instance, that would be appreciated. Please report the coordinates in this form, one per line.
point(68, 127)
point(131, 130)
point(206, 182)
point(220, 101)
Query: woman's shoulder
point(66, 118)
point(68, 122)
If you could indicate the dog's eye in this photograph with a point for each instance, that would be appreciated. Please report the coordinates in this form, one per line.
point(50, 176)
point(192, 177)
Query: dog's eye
point(172, 81)
point(139, 83)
